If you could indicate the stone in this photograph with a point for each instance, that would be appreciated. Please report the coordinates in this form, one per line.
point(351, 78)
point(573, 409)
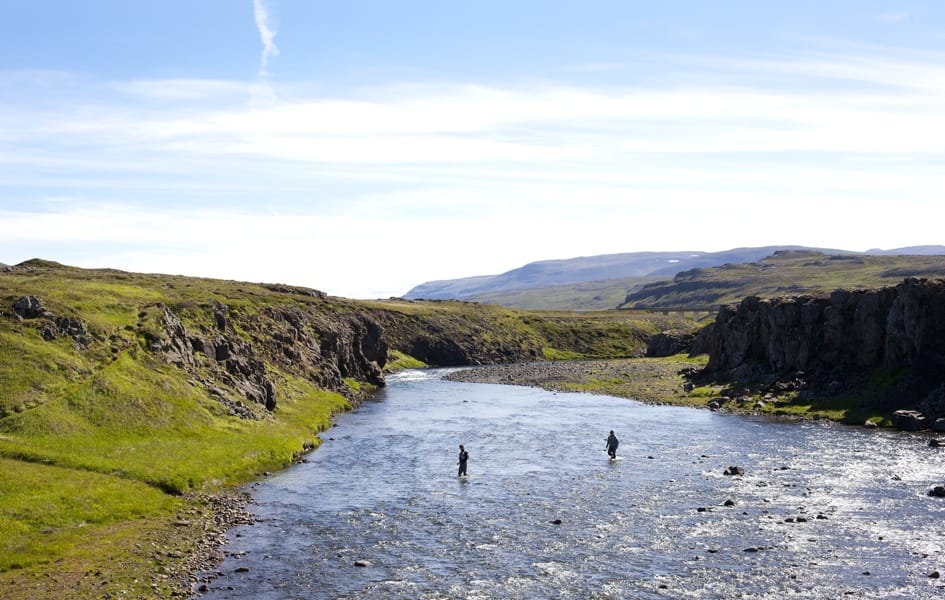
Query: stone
point(734, 471)
point(909, 420)
point(938, 491)
point(29, 307)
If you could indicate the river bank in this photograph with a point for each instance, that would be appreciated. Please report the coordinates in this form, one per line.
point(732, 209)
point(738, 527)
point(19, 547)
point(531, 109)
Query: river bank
point(153, 557)
point(649, 380)
point(664, 381)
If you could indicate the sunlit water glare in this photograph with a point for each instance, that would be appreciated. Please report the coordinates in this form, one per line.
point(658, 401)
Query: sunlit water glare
point(823, 510)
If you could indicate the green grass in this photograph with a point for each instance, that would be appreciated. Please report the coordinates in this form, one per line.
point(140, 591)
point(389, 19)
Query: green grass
point(46, 511)
point(780, 275)
point(398, 361)
point(103, 443)
point(556, 354)
point(145, 425)
point(705, 391)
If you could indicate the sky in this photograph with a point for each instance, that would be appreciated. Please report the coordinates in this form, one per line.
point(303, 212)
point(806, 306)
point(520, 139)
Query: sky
point(366, 146)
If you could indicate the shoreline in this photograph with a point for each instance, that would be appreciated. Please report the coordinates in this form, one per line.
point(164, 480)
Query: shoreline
point(648, 380)
point(658, 381)
point(213, 514)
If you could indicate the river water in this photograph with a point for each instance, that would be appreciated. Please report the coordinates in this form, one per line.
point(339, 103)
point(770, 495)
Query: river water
point(822, 510)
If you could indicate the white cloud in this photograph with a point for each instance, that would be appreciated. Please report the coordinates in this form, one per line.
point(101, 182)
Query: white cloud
point(461, 180)
point(184, 89)
point(469, 125)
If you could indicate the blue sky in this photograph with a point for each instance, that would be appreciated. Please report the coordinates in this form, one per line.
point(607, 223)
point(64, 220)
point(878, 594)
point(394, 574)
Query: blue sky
point(364, 147)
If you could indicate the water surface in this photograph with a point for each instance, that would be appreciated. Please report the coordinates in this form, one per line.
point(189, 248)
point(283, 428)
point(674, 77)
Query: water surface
point(823, 511)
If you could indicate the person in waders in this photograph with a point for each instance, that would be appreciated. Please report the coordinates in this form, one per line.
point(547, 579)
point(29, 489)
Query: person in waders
point(463, 457)
point(612, 443)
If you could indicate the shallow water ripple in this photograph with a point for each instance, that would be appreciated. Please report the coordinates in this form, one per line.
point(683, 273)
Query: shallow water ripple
point(823, 511)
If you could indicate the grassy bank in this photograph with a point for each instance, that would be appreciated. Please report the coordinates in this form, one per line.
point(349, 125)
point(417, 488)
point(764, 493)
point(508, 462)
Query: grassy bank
point(107, 449)
point(90, 477)
point(662, 381)
point(120, 441)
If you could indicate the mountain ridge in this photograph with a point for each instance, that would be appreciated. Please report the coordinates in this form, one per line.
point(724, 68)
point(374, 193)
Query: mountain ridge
point(632, 268)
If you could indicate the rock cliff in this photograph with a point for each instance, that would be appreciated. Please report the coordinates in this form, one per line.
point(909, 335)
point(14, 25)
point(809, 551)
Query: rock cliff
point(825, 343)
point(247, 346)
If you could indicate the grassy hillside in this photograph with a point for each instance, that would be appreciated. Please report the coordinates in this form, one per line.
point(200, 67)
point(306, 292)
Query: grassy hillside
point(127, 397)
point(583, 269)
point(604, 282)
point(782, 274)
point(586, 296)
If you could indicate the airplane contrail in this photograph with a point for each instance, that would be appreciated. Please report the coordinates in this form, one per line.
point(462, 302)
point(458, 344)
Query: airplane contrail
point(267, 34)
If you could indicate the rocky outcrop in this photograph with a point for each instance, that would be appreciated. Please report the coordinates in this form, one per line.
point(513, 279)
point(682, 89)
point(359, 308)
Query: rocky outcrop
point(670, 342)
point(228, 363)
point(51, 326)
point(899, 328)
point(229, 353)
point(29, 307)
point(457, 341)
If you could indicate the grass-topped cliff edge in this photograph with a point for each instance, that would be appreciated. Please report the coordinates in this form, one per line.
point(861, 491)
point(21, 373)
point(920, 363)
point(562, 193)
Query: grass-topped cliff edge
point(130, 404)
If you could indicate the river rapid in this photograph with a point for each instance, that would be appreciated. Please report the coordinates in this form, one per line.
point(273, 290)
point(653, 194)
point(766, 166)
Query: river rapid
point(822, 510)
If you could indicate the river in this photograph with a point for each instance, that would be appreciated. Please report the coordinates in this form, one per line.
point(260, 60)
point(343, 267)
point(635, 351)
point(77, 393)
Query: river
point(822, 510)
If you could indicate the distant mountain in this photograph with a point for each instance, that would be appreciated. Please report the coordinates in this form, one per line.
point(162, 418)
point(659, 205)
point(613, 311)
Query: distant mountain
point(582, 269)
point(909, 251)
point(595, 282)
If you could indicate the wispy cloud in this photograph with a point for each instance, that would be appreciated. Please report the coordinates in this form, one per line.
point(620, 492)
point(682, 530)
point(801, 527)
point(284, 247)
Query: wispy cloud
point(188, 90)
point(267, 34)
point(895, 17)
point(435, 166)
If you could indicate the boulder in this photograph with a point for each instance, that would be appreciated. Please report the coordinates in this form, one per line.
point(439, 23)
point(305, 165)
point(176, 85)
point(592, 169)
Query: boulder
point(29, 307)
point(938, 491)
point(734, 471)
point(909, 420)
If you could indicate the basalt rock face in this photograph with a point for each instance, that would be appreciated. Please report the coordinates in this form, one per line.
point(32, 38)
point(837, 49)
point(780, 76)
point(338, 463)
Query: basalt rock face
point(668, 343)
point(827, 338)
point(457, 341)
point(229, 353)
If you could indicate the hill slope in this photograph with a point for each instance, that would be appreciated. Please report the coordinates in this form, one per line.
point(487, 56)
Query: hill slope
point(549, 273)
point(602, 282)
point(786, 273)
point(125, 397)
